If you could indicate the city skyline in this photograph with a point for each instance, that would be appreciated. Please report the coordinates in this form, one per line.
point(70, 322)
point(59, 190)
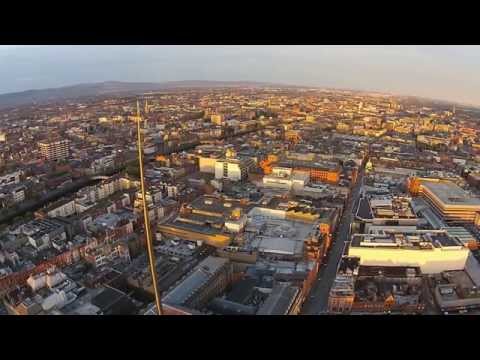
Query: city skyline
point(198, 181)
point(247, 200)
point(435, 72)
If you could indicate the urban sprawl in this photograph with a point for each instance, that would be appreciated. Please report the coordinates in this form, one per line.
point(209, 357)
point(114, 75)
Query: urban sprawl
point(261, 201)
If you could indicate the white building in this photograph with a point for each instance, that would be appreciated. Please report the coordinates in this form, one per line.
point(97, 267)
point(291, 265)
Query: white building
point(286, 178)
point(152, 196)
point(237, 222)
point(232, 169)
point(12, 194)
point(172, 191)
point(41, 233)
point(207, 164)
point(103, 163)
point(83, 205)
point(9, 179)
point(18, 194)
point(62, 209)
point(55, 150)
point(433, 251)
point(101, 191)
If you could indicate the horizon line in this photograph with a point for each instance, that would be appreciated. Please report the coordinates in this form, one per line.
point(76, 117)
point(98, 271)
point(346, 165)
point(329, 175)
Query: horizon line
point(279, 84)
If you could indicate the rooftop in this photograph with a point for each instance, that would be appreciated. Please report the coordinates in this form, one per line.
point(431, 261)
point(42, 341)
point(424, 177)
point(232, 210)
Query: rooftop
point(420, 207)
point(280, 300)
point(460, 233)
point(199, 277)
point(342, 285)
point(242, 290)
point(456, 291)
point(113, 301)
point(215, 204)
point(386, 207)
point(321, 165)
point(450, 193)
point(389, 271)
point(270, 234)
point(404, 237)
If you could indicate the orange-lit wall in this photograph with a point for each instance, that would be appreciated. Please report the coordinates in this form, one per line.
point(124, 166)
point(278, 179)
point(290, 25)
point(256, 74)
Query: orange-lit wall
point(322, 175)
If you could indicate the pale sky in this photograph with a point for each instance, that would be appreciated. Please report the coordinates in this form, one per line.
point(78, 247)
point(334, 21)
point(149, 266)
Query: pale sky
point(441, 72)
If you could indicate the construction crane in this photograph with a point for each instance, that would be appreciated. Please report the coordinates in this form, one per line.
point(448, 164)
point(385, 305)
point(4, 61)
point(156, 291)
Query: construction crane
point(151, 255)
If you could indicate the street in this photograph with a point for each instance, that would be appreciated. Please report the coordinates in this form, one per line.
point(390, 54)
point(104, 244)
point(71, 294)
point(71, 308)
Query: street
point(317, 301)
point(431, 307)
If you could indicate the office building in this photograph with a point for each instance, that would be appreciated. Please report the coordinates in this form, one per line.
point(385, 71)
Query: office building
point(320, 171)
point(55, 150)
point(386, 210)
point(207, 280)
point(206, 164)
point(281, 300)
point(342, 294)
point(433, 251)
point(448, 200)
point(286, 179)
point(456, 292)
point(208, 218)
point(233, 169)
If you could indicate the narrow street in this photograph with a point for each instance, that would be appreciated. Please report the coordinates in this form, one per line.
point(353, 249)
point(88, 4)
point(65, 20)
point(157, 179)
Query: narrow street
point(431, 307)
point(317, 301)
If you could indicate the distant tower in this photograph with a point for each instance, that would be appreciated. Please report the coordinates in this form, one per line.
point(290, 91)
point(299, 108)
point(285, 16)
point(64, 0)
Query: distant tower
point(453, 110)
point(146, 112)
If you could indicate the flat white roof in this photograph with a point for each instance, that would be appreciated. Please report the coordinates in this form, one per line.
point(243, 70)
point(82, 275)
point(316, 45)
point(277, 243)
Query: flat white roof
point(277, 235)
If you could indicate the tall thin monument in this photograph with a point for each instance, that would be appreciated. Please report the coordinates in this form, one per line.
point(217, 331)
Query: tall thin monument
point(146, 112)
point(151, 255)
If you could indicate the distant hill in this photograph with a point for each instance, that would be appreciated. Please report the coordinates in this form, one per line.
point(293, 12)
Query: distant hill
point(113, 88)
point(119, 88)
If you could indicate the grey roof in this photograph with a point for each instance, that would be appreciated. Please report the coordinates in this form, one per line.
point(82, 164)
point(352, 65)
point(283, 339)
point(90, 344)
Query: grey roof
point(226, 307)
point(199, 277)
point(107, 220)
point(214, 204)
point(113, 301)
point(434, 221)
point(242, 290)
point(280, 300)
point(421, 207)
point(451, 194)
point(460, 233)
